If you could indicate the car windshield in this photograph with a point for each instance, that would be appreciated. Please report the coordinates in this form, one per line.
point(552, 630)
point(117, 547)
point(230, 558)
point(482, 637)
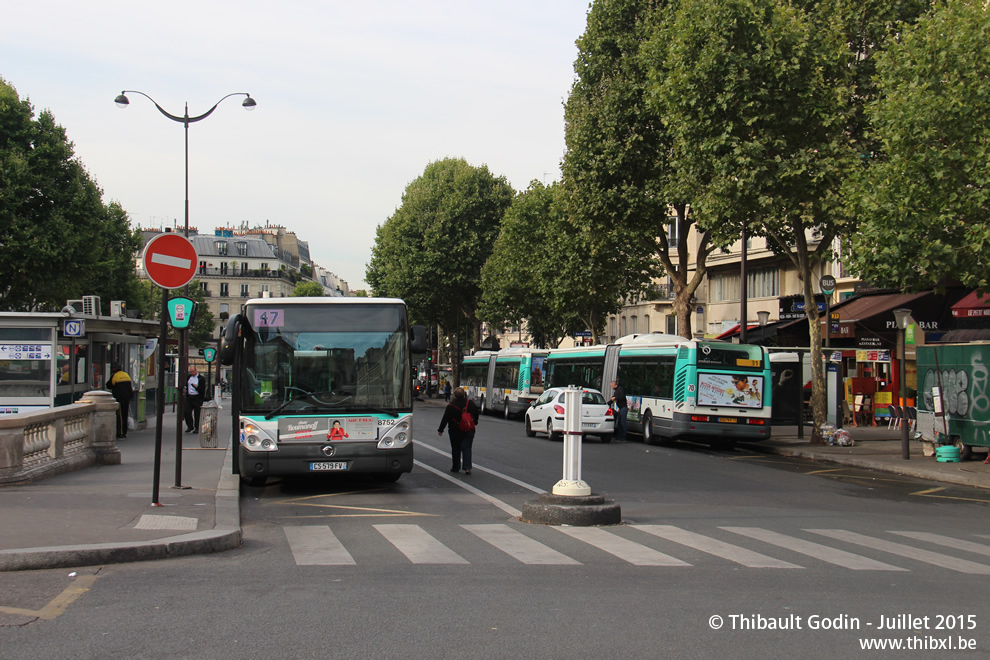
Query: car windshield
point(587, 397)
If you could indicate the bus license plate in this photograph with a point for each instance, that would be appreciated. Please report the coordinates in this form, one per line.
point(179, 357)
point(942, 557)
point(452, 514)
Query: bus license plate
point(728, 420)
point(328, 465)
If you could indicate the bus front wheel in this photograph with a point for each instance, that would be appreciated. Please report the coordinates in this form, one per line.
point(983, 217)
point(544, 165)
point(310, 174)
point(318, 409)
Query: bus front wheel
point(648, 438)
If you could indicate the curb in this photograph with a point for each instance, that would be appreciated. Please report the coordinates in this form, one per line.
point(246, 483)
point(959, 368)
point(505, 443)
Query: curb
point(226, 535)
point(904, 469)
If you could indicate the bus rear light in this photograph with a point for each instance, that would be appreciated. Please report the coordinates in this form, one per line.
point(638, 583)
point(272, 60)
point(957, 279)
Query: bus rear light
point(699, 418)
point(757, 422)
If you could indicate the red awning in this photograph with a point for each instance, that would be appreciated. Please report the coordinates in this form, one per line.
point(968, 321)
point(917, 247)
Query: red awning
point(972, 306)
point(734, 331)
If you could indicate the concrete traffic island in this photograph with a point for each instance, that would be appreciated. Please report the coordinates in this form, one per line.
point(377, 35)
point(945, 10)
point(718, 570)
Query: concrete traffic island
point(572, 502)
point(575, 510)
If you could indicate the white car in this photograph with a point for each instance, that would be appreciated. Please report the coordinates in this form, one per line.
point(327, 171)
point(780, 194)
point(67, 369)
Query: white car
point(546, 415)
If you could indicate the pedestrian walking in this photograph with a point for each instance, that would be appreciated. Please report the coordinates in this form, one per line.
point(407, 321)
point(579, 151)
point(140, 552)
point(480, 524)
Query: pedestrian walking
point(446, 391)
point(195, 393)
point(122, 390)
point(460, 418)
point(621, 407)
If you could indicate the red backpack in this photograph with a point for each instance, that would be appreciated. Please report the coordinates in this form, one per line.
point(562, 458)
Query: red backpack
point(466, 422)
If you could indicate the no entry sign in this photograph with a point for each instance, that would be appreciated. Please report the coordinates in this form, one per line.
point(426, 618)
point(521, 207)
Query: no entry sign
point(170, 260)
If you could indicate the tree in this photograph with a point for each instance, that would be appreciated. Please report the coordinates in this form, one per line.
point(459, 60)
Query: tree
point(622, 187)
point(430, 252)
point(518, 280)
point(59, 240)
point(308, 289)
point(763, 99)
point(924, 199)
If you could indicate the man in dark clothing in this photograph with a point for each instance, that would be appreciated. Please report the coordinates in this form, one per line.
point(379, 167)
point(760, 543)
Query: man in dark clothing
point(122, 390)
point(195, 391)
point(460, 441)
point(621, 410)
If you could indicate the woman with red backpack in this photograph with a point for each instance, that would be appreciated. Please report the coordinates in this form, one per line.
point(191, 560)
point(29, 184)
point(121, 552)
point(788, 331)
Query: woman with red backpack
point(460, 417)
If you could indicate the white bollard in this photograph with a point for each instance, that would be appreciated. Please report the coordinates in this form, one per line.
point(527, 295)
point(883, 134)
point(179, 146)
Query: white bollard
point(571, 484)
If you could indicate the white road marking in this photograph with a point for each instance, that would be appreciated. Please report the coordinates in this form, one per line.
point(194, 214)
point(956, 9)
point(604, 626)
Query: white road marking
point(630, 551)
point(519, 546)
point(316, 545)
point(948, 541)
point(512, 511)
point(715, 547)
point(934, 558)
point(418, 546)
point(816, 550)
point(498, 474)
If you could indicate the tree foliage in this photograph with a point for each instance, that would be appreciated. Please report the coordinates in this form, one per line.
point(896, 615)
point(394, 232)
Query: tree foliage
point(308, 289)
point(59, 240)
point(924, 199)
point(518, 280)
point(430, 252)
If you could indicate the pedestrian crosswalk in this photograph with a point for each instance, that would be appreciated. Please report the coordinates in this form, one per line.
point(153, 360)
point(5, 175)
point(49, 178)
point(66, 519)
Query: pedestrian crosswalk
point(665, 546)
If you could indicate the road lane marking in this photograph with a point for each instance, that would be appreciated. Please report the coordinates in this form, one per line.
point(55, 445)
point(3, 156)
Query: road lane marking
point(498, 474)
point(948, 541)
point(511, 510)
point(715, 547)
point(934, 558)
point(60, 603)
point(520, 546)
point(359, 511)
point(623, 548)
point(316, 545)
point(418, 546)
point(816, 550)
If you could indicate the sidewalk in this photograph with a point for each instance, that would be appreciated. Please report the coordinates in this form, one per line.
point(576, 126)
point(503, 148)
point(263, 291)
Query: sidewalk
point(104, 514)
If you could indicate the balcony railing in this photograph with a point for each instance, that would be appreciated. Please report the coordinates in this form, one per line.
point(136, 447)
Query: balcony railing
point(231, 272)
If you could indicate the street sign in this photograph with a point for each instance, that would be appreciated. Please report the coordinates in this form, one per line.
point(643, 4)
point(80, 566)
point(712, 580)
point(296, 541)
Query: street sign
point(182, 312)
point(170, 260)
point(73, 327)
point(209, 354)
point(827, 283)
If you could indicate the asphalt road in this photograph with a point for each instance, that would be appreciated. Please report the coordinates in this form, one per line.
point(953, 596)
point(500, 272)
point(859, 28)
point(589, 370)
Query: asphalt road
point(437, 566)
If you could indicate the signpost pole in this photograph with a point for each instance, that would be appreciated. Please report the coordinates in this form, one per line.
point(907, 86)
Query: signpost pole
point(160, 397)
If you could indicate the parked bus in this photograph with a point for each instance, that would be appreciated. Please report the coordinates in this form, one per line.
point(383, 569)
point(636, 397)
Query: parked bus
point(322, 385)
point(677, 388)
point(504, 382)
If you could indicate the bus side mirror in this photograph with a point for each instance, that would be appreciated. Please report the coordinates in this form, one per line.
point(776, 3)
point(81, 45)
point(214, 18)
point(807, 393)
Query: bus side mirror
point(417, 337)
point(228, 343)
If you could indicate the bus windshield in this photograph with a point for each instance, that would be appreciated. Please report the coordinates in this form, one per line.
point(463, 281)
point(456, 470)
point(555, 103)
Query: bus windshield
point(306, 359)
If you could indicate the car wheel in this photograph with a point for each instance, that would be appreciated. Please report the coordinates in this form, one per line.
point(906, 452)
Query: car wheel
point(530, 433)
point(550, 434)
point(505, 411)
point(648, 430)
point(605, 438)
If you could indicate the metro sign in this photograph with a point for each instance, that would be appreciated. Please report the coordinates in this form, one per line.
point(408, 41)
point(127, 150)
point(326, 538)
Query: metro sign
point(170, 260)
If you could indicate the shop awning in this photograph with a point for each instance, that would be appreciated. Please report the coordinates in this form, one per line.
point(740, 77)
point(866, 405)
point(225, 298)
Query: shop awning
point(975, 305)
point(868, 306)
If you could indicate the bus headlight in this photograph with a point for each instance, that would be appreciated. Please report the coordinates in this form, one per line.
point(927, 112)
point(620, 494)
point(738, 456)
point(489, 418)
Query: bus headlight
point(398, 435)
point(254, 438)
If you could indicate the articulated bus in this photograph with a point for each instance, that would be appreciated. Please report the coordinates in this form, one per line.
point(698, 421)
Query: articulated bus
point(677, 388)
point(504, 382)
point(322, 386)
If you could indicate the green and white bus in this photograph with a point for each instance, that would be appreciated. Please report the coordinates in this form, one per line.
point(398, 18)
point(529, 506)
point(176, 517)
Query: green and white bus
point(676, 388)
point(322, 386)
point(504, 382)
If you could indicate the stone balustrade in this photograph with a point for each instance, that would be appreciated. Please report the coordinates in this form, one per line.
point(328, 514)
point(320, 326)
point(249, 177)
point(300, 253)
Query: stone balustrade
point(41, 444)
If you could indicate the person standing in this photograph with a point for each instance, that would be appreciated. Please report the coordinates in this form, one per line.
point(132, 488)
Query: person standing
point(621, 410)
point(446, 391)
point(461, 439)
point(122, 390)
point(195, 387)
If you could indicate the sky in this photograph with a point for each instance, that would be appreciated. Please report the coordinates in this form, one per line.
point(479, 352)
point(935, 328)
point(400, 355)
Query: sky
point(354, 99)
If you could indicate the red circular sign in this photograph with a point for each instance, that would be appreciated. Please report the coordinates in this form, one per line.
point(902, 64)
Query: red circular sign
point(170, 260)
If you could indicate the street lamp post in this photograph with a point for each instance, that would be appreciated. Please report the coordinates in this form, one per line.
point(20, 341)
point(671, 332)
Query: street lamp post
point(901, 317)
point(764, 317)
point(123, 102)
